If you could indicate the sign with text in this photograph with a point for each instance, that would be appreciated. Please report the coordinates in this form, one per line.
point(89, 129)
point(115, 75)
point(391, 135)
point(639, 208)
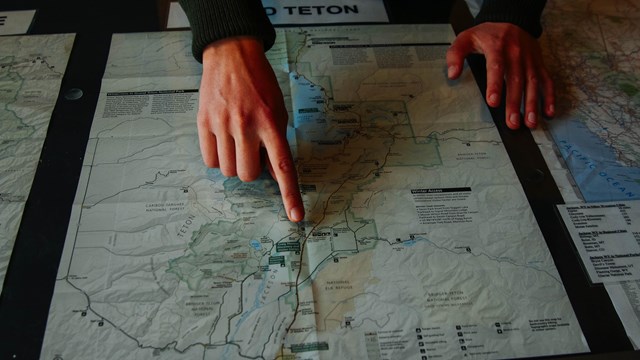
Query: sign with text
point(298, 12)
point(607, 237)
point(15, 22)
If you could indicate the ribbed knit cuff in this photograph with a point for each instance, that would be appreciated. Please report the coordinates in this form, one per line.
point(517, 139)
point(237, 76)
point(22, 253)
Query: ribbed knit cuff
point(213, 20)
point(523, 13)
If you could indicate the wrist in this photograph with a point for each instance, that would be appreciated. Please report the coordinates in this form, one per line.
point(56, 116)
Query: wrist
point(245, 45)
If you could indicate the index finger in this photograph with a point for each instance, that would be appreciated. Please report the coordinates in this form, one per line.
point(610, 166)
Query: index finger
point(457, 52)
point(284, 170)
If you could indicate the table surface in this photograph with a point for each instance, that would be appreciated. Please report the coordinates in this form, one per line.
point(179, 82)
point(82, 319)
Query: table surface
point(24, 303)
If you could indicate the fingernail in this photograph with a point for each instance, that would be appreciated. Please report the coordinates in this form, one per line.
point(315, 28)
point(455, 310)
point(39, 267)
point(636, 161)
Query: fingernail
point(531, 120)
point(452, 71)
point(493, 99)
point(514, 120)
point(296, 214)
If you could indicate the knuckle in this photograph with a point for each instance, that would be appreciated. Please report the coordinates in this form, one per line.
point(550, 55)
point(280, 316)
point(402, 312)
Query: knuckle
point(285, 165)
point(515, 51)
point(241, 126)
point(516, 79)
point(498, 45)
point(267, 111)
point(497, 65)
point(498, 41)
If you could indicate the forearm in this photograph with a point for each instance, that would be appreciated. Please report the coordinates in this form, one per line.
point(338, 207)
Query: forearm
point(523, 13)
point(213, 20)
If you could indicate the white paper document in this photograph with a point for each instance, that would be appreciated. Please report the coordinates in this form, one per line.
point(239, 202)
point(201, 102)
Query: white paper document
point(607, 237)
point(418, 240)
point(298, 12)
point(31, 71)
point(16, 22)
point(625, 297)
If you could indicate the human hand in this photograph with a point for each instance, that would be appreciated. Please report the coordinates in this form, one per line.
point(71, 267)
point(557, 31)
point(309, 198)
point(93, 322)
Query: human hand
point(513, 56)
point(241, 111)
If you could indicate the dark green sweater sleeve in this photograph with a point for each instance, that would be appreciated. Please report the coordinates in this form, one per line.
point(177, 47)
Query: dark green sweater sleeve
point(524, 13)
point(213, 20)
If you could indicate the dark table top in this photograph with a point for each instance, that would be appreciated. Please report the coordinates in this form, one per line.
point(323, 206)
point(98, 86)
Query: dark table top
point(24, 303)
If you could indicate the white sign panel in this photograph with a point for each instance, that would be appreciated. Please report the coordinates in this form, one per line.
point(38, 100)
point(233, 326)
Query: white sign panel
point(15, 22)
point(325, 12)
point(607, 236)
point(282, 12)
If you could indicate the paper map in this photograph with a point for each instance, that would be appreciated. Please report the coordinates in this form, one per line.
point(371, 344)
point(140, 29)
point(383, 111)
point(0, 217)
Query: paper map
point(418, 242)
point(592, 147)
point(31, 70)
point(591, 48)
